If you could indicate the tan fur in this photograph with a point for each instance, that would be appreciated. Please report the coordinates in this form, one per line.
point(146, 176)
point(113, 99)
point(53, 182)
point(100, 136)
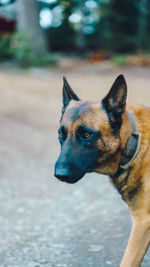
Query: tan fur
point(139, 176)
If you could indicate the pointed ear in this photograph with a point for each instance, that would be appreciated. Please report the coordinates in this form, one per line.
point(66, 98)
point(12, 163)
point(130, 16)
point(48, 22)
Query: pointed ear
point(115, 101)
point(68, 93)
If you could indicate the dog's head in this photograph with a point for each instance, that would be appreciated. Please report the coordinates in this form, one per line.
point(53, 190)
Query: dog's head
point(89, 132)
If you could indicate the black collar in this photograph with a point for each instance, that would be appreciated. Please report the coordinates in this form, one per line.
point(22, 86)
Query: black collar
point(132, 146)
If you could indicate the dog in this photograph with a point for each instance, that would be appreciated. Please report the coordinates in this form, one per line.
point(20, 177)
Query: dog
point(112, 138)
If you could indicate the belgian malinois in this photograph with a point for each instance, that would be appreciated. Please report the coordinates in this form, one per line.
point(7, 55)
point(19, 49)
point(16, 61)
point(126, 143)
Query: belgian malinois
point(111, 138)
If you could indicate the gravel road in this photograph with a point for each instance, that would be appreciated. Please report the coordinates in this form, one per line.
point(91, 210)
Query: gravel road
point(44, 222)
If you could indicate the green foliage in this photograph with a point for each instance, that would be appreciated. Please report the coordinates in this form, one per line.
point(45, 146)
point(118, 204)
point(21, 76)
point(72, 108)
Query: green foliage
point(120, 59)
point(5, 52)
point(19, 47)
point(22, 50)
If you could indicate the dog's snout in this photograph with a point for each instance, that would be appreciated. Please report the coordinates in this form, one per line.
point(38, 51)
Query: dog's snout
point(67, 171)
point(62, 174)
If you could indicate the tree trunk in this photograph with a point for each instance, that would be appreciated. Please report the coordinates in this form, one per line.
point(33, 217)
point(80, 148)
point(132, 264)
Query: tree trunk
point(28, 21)
point(80, 38)
point(143, 19)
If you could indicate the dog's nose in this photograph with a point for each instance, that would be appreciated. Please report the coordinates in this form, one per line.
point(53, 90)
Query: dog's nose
point(62, 174)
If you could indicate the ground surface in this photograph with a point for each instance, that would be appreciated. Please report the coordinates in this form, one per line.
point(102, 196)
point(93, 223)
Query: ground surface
point(44, 222)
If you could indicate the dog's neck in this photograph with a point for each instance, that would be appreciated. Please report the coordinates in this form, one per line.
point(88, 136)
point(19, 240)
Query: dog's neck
point(132, 147)
point(126, 152)
point(128, 155)
point(110, 165)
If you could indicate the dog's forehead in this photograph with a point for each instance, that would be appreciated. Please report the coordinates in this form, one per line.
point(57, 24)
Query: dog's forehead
point(76, 109)
point(85, 112)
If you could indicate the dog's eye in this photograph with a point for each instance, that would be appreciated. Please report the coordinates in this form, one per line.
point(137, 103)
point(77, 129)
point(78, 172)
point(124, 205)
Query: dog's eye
point(61, 137)
point(62, 133)
point(83, 133)
point(86, 135)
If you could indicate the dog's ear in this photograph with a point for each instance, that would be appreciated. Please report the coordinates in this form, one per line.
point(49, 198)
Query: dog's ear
point(68, 94)
point(115, 101)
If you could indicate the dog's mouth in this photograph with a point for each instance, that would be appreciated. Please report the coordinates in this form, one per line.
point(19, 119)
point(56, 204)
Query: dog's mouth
point(70, 179)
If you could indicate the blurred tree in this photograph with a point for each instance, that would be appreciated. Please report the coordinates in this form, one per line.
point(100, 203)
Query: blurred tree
point(63, 36)
point(69, 25)
point(80, 37)
point(144, 25)
point(28, 21)
point(100, 37)
point(124, 16)
point(143, 34)
point(6, 2)
point(147, 41)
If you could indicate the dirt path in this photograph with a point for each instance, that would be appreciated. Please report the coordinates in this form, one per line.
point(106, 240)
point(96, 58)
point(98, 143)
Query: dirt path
point(44, 222)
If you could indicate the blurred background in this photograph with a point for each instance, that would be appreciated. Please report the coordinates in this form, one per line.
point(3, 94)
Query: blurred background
point(44, 222)
point(94, 29)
